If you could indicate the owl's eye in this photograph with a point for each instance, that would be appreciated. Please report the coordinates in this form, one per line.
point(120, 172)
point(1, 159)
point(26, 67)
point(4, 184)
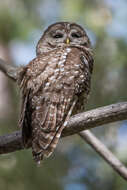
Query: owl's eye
point(58, 35)
point(76, 35)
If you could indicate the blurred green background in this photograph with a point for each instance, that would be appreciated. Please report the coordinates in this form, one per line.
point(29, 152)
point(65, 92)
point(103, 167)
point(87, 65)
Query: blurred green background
point(74, 165)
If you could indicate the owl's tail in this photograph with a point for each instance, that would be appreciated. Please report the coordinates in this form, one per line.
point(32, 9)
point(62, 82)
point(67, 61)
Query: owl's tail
point(46, 137)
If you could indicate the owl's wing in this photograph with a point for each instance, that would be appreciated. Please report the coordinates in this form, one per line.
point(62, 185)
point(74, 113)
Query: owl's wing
point(87, 61)
point(25, 121)
point(25, 117)
point(59, 130)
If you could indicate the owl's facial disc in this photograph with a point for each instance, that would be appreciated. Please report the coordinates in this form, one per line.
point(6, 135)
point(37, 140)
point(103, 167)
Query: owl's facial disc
point(72, 36)
point(61, 35)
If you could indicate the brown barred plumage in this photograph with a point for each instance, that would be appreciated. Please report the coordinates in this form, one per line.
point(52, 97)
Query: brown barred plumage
point(52, 84)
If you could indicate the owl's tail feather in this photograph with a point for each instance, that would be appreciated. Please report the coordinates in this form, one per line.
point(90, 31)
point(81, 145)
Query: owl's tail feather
point(55, 140)
point(44, 130)
point(47, 136)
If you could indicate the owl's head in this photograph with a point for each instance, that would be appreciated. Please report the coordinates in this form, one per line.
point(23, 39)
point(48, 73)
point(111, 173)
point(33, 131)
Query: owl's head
point(62, 34)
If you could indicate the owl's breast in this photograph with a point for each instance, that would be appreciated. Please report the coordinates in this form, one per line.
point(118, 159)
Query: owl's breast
point(61, 70)
point(75, 74)
point(68, 73)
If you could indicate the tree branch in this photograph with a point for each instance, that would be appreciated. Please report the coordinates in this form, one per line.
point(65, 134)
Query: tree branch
point(96, 117)
point(76, 124)
point(9, 70)
point(102, 150)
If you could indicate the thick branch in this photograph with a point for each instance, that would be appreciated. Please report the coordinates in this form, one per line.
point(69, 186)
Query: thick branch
point(96, 117)
point(101, 149)
point(76, 124)
point(11, 142)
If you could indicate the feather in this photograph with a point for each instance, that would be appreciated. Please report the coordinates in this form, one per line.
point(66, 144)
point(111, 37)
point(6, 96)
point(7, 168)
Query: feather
point(57, 135)
point(25, 121)
point(46, 134)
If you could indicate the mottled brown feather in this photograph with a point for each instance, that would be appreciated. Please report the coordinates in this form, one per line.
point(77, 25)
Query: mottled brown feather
point(53, 85)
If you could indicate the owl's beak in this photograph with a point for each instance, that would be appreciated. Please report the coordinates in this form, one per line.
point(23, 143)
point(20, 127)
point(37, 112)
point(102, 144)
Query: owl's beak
point(67, 41)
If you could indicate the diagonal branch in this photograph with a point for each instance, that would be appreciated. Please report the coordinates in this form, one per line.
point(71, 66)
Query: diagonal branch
point(104, 152)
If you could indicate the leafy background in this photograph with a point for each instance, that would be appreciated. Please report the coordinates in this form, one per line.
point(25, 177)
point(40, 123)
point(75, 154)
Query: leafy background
point(74, 165)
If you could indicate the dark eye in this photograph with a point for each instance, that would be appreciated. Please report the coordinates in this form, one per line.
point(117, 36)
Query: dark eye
point(76, 35)
point(58, 35)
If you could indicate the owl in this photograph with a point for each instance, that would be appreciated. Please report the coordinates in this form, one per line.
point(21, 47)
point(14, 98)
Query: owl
point(54, 85)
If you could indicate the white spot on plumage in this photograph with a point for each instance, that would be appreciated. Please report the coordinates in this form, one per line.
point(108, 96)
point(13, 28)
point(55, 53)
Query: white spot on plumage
point(70, 112)
point(61, 62)
point(51, 137)
point(76, 72)
point(51, 115)
point(69, 99)
point(65, 53)
point(62, 69)
point(68, 50)
point(52, 106)
point(63, 106)
point(67, 72)
point(65, 123)
point(85, 61)
point(57, 128)
point(45, 146)
point(47, 84)
point(59, 86)
point(47, 154)
point(82, 76)
point(54, 59)
point(56, 70)
point(65, 100)
point(58, 135)
point(52, 77)
point(38, 107)
point(71, 77)
point(63, 57)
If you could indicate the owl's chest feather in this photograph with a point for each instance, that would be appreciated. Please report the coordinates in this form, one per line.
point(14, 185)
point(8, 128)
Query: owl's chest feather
point(68, 72)
point(63, 70)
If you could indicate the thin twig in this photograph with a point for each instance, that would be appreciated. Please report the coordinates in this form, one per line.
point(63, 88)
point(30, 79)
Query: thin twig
point(104, 152)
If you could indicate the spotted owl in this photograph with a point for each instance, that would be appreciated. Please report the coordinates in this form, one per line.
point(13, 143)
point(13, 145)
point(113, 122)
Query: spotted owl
point(54, 85)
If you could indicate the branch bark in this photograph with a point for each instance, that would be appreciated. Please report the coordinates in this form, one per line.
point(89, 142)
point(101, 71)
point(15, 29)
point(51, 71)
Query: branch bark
point(104, 152)
point(9, 70)
point(96, 117)
point(76, 124)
